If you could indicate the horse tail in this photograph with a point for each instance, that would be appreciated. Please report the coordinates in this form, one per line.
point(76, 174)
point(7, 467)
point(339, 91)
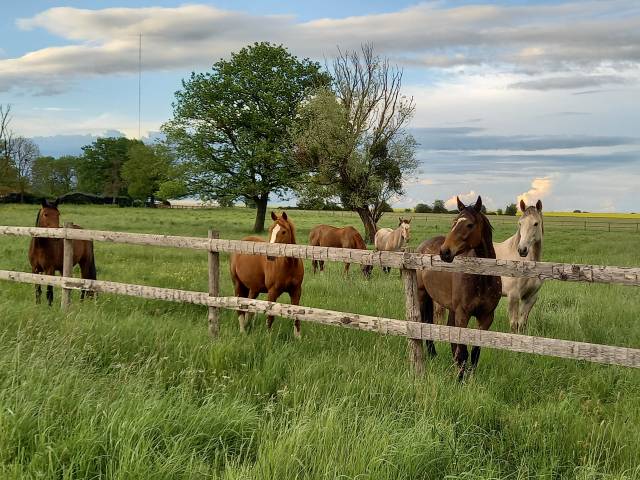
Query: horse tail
point(426, 308)
point(91, 270)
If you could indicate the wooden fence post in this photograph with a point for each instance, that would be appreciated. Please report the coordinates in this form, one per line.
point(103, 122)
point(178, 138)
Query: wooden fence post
point(214, 287)
point(67, 268)
point(412, 314)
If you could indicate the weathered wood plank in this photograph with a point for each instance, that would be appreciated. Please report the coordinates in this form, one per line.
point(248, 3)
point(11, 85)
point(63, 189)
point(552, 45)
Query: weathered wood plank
point(628, 357)
point(67, 268)
point(412, 316)
point(214, 286)
point(416, 261)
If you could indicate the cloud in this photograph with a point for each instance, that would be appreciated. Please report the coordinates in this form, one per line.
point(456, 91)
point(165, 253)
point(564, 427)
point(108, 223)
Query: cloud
point(570, 83)
point(581, 40)
point(466, 198)
point(540, 188)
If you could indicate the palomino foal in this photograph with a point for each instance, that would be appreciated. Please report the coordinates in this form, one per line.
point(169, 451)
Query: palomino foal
point(390, 240)
point(526, 244)
point(256, 274)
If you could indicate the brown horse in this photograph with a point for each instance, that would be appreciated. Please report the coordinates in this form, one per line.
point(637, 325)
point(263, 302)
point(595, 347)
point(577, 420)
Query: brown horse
point(255, 274)
point(464, 295)
point(345, 237)
point(46, 254)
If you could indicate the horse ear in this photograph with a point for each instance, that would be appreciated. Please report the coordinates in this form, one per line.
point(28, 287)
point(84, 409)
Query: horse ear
point(539, 205)
point(284, 215)
point(44, 203)
point(460, 204)
point(55, 203)
point(523, 206)
point(478, 205)
point(274, 217)
point(399, 220)
point(409, 221)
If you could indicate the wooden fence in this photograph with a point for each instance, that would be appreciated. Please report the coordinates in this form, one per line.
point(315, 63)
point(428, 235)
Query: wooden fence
point(408, 262)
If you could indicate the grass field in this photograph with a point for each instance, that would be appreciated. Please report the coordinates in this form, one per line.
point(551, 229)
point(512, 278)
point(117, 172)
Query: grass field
point(128, 388)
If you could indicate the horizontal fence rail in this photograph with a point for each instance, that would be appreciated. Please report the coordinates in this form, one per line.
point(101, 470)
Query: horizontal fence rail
point(406, 260)
point(605, 354)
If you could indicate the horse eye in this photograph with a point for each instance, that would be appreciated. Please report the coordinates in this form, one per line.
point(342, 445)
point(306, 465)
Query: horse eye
point(535, 224)
point(470, 225)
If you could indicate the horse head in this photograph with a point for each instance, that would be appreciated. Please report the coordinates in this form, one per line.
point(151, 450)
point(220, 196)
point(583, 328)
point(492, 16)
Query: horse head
point(281, 231)
point(48, 215)
point(405, 226)
point(530, 227)
point(467, 232)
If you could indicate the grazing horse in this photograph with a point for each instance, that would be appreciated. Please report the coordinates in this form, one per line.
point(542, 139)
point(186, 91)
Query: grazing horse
point(345, 237)
point(46, 254)
point(393, 240)
point(463, 294)
point(526, 243)
point(256, 274)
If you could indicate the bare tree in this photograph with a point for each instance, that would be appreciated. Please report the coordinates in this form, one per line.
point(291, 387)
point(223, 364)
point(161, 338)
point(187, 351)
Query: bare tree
point(24, 153)
point(353, 137)
point(7, 169)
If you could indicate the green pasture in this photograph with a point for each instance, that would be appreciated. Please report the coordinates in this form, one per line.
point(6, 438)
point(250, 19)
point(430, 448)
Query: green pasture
point(126, 388)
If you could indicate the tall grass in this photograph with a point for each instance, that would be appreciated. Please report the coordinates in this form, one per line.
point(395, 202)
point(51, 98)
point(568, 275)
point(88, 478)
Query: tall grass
point(127, 388)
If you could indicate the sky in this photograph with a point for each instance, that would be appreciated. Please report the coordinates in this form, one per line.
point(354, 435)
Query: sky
point(522, 99)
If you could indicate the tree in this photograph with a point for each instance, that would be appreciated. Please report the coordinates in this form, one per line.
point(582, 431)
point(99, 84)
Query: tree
point(147, 168)
point(100, 170)
point(423, 208)
point(439, 207)
point(24, 152)
point(232, 125)
point(511, 209)
point(352, 135)
point(52, 177)
point(8, 174)
point(499, 211)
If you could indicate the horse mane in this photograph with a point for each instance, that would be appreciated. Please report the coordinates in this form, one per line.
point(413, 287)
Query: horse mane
point(38, 217)
point(293, 230)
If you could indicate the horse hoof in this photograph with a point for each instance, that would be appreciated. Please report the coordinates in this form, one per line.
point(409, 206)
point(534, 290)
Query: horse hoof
point(297, 335)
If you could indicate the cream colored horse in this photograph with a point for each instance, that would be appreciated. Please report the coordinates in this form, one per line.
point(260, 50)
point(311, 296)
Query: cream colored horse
point(526, 243)
point(390, 240)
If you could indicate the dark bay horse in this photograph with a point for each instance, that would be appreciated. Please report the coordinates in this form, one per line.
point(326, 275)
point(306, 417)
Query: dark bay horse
point(255, 274)
point(464, 295)
point(345, 237)
point(46, 254)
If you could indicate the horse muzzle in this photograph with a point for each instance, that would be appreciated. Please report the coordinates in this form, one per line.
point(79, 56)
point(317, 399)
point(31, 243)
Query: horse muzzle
point(446, 255)
point(523, 252)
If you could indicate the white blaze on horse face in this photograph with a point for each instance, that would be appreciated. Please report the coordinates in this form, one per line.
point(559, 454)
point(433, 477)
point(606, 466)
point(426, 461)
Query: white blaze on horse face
point(274, 234)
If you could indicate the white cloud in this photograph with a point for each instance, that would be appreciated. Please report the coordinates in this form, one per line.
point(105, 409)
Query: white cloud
point(467, 198)
point(572, 38)
point(540, 188)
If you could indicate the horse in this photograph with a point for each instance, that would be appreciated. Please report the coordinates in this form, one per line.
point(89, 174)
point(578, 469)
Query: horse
point(393, 240)
point(46, 254)
point(345, 237)
point(256, 274)
point(525, 243)
point(463, 294)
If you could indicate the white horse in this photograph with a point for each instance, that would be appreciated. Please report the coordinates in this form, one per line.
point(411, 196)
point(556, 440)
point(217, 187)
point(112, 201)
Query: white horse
point(390, 240)
point(525, 244)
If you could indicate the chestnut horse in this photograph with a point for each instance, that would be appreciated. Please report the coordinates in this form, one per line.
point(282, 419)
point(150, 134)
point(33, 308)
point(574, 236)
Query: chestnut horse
point(463, 294)
point(345, 237)
point(256, 274)
point(393, 240)
point(46, 254)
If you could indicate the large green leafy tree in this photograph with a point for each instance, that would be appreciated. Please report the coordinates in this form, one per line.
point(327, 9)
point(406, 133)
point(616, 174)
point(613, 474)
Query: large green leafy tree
point(232, 126)
point(100, 169)
point(53, 177)
point(352, 136)
point(147, 171)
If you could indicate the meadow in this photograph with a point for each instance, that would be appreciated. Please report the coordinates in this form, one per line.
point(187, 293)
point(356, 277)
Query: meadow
point(122, 387)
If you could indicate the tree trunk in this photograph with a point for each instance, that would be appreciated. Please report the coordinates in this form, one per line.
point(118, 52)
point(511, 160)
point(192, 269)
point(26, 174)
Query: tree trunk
point(261, 213)
point(369, 224)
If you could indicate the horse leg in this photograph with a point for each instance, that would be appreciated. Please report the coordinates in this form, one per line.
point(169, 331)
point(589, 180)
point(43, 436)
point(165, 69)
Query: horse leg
point(526, 304)
point(246, 319)
point(295, 300)
point(484, 322)
point(321, 262)
point(314, 265)
point(38, 287)
point(88, 272)
point(346, 269)
point(241, 291)
point(50, 271)
point(272, 296)
point(514, 307)
point(439, 313)
point(461, 320)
